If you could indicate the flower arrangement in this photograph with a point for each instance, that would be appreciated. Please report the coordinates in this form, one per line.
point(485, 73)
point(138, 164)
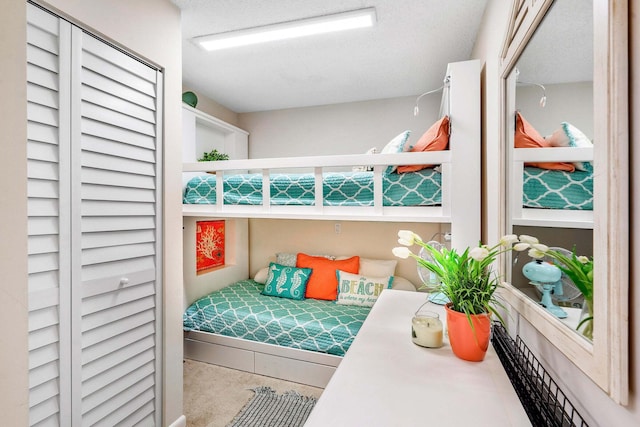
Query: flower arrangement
point(466, 278)
point(469, 284)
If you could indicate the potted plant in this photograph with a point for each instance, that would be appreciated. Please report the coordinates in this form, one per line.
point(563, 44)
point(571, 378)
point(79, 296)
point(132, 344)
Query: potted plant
point(212, 156)
point(469, 283)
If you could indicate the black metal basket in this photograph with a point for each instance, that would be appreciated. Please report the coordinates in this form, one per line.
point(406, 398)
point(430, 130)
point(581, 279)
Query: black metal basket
point(542, 399)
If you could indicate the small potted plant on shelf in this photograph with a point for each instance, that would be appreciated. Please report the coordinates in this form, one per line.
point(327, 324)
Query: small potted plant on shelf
point(212, 156)
point(467, 280)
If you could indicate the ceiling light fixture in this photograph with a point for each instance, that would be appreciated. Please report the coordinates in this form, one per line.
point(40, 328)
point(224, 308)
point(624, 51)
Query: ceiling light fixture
point(287, 30)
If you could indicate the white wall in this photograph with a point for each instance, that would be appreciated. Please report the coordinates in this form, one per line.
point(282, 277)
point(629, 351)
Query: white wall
point(372, 240)
point(211, 107)
point(14, 398)
point(569, 102)
point(125, 23)
point(236, 259)
point(592, 403)
point(350, 128)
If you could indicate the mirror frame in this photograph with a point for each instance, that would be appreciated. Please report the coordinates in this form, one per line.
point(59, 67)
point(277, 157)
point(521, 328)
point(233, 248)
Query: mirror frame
point(605, 360)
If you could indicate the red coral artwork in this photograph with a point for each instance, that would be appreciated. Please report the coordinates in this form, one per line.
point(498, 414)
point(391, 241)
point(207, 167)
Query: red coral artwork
point(209, 244)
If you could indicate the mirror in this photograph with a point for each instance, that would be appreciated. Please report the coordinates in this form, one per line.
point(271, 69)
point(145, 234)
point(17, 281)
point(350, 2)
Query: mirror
point(563, 64)
point(552, 85)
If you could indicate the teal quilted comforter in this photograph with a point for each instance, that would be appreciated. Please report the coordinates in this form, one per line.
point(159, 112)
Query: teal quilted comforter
point(239, 310)
point(420, 188)
point(552, 189)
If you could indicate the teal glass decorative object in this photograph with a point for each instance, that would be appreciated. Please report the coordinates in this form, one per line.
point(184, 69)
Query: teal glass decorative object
point(190, 99)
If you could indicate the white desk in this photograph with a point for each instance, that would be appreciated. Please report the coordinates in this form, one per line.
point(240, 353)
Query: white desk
point(386, 380)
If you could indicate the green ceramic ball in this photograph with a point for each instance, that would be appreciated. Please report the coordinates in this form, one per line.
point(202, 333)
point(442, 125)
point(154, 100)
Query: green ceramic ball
point(190, 98)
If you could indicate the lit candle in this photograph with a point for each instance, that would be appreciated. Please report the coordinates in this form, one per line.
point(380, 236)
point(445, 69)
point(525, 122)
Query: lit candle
point(426, 330)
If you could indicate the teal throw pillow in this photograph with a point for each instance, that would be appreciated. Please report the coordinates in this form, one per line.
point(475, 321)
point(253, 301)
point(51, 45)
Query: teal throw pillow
point(286, 282)
point(356, 289)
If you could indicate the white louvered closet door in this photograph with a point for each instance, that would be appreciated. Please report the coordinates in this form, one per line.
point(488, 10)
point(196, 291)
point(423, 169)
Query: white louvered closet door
point(95, 221)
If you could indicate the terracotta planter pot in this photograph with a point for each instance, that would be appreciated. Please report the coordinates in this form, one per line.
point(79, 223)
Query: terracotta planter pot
point(466, 343)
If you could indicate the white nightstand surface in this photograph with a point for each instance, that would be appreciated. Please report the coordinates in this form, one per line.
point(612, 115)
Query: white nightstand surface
point(387, 380)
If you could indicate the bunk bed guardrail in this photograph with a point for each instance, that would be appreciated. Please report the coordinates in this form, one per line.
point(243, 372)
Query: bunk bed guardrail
point(319, 164)
point(546, 217)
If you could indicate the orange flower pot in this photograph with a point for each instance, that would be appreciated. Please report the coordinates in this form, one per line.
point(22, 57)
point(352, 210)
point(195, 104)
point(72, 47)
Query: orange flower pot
point(467, 343)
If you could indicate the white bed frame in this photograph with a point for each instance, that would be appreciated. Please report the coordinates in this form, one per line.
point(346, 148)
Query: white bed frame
point(546, 217)
point(461, 208)
point(517, 157)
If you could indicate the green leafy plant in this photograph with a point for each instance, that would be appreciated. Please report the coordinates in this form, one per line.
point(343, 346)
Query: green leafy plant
point(466, 277)
point(213, 155)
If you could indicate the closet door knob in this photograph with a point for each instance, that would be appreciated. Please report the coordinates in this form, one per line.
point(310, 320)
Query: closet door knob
point(124, 281)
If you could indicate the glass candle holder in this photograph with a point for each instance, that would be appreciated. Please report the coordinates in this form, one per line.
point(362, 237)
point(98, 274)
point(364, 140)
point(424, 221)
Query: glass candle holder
point(426, 329)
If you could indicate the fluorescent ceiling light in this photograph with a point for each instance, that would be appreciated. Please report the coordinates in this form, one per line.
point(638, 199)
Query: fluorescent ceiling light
point(287, 30)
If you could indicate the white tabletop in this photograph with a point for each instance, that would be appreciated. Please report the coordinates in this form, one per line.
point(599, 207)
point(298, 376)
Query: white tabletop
point(387, 380)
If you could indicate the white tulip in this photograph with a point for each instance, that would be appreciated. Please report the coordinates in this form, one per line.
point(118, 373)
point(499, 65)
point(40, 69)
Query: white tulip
point(535, 253)
point(540, 247)
point(528, 239)
point(407, 236)
point(479, 253)
point(508, 240)
point(405, 242)
point(401, 252)
point(521, 247)
point(583, 259)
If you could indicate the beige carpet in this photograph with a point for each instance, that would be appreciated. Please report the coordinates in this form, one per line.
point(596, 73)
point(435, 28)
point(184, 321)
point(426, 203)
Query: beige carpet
point(213, 395)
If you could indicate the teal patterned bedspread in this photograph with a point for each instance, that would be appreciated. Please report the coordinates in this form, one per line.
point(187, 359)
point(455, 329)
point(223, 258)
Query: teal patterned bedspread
point(239, 310)
point(420, 188)
point(552, 189)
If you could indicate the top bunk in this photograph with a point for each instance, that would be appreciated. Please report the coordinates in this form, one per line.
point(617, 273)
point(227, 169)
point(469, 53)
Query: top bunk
point(338, 187)
point(551, 178)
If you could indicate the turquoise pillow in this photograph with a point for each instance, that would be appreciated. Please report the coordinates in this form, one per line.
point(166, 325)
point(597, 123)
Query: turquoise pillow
point(578, 139)
point(286, 282)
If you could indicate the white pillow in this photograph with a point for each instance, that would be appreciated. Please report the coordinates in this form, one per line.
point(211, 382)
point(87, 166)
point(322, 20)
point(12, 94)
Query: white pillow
point(396, 145)
point(402, 284)
point(356, 289)
point(570, 136)
point(290, 259)
point(261, 275)
point(372, 150)
point(377, 267)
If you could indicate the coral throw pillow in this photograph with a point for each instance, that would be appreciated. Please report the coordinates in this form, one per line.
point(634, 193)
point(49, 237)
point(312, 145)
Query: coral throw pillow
point(323, 283)
point(527, 137)
point(436, 138)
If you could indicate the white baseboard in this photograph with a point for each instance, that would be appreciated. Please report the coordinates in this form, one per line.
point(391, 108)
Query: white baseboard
point(180, 422)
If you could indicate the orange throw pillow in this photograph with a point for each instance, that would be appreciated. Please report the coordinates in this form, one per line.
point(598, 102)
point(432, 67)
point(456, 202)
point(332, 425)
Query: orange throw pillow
point(436, 138)
point(527, 137)
point(323, 283)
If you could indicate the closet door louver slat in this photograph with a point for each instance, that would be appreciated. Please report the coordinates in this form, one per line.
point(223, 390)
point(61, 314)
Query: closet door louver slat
point(116, 178)
point(94, 229)
point(48, 127)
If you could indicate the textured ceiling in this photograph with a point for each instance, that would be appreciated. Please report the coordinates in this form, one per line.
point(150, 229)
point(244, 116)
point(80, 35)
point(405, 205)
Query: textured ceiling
point(561, 49)
point(405, 54)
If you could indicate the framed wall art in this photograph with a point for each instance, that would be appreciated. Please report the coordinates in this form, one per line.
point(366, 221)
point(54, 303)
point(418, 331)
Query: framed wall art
point(210, 240)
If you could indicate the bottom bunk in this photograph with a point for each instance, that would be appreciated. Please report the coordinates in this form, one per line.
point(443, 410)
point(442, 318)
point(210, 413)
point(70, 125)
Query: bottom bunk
point(296, 339)
point(300, 366)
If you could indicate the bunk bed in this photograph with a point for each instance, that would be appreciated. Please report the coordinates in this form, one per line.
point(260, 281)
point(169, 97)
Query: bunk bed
point(453, 197)
point(551, 198)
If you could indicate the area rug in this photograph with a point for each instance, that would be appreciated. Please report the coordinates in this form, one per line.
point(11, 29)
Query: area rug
point(269, 409)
